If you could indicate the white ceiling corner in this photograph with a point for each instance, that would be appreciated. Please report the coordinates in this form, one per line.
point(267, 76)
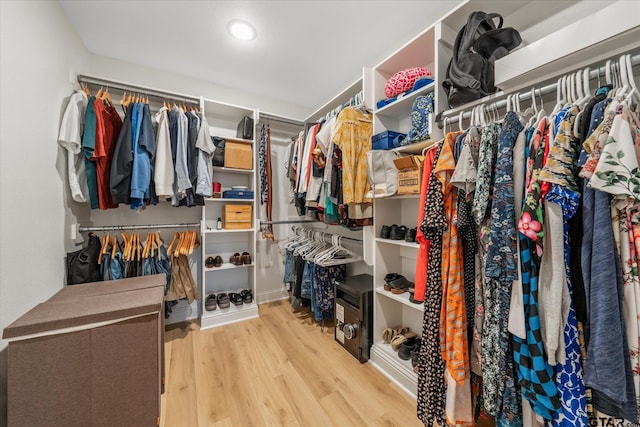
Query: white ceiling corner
point(305, 52)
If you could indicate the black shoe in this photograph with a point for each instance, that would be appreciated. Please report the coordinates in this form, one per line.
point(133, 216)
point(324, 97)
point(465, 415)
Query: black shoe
point(235, 298)
point(411, 235)
point(406, 347)
point(210, 302)
point(398, 233)
point(385, 232)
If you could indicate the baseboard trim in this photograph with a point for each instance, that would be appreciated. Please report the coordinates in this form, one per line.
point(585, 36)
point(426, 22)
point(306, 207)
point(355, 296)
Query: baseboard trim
point(272, 295)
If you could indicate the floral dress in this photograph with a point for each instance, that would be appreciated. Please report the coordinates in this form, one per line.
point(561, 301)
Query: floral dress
point(500, 391)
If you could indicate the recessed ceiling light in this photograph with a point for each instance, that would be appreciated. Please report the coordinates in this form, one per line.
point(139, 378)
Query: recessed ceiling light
point(241, 30)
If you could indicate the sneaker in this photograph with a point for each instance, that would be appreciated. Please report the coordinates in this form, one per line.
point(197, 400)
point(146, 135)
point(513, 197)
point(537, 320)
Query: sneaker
point(210, 302)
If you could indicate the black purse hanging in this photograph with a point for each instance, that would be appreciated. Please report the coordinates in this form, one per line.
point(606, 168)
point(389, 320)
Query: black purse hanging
point(82, 265)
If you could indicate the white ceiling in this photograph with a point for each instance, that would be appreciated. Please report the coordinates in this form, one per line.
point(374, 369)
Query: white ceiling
point(305, 52)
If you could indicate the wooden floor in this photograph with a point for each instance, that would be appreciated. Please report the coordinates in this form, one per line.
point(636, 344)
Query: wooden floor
point(277, 370)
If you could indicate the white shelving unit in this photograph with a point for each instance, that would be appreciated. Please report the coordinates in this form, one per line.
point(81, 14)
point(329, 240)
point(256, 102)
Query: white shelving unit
point(222, 119)
point(432, 49)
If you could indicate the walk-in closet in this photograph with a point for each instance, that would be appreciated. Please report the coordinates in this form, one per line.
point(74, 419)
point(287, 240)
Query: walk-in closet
point(320, 213)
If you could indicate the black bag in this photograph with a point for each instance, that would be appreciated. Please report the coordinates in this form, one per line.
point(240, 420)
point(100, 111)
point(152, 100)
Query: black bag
point(245, 128)
point(82, 265)
point(470, 74)
point(218, 154)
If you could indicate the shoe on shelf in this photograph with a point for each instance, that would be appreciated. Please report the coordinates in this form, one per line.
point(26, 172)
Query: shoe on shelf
point(412, 298)
point(398, 284)
point(389, 278)
point(209, 262)
point(385, 232)
point(411, 235)
point(223, 300)
point(247, 296)
point(217, 261)
point(235, 259)
point(409, 345)
point(398, 233)
point(210, 302)
point(246, 258)
point(235, 298)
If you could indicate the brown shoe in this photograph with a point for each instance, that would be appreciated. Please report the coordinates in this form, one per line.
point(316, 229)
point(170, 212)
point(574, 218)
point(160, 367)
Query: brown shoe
point(217, 261)
point(235, 259)
point(246, 258)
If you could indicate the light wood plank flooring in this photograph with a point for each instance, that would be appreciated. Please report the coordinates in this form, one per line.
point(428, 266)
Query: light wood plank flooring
point(277, 370)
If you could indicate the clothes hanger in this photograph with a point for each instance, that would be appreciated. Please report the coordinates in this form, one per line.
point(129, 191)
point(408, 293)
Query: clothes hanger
point(634, 94)
point(86, 90)
point(115, 245)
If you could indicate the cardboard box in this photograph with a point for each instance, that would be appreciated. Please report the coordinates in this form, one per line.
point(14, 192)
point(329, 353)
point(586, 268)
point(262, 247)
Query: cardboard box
point(238, 217)
point(409, 174)
point(238, 154)
point(78, 358)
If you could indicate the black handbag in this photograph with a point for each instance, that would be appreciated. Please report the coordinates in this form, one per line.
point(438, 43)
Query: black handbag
point(218, 154)
point(82, 265)
point(245, 128)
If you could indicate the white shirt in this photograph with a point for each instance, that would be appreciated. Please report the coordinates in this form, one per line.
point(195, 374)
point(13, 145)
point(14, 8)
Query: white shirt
point(163, 167)
point(70, 138)
point(206, 148)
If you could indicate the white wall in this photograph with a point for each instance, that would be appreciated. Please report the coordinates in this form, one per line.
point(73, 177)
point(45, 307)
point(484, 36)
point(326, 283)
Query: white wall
point(114, 69)
point(37, 46)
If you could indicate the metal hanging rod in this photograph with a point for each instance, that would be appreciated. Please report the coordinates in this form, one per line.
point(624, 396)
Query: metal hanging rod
point(293, 221)
point(112, 84)
point(325, 234)
point(453, 115)
point(82, 229)
point(286, 120)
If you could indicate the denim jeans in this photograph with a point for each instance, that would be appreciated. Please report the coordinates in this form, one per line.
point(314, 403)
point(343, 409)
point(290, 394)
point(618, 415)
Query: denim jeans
point(288, 268)
point(307, 280)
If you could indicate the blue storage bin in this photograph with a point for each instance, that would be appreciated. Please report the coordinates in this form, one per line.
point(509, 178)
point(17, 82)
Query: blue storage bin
point(386, 140)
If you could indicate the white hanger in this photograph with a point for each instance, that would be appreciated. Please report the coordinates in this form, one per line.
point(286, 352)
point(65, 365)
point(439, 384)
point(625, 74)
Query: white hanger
point(626, 86)
point(559, 99)
point(533, 109)
point(460, 120)
point(633, 94)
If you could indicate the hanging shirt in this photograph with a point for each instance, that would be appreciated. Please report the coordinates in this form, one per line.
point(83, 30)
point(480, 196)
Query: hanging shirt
point(352, 135)
point(120, 177)
point(182, 167)
point(163, 166)
point(206, 148)
point(70, 138)
point(140, 172)
point(88, 145)
point(453, 316)
point(108, 125)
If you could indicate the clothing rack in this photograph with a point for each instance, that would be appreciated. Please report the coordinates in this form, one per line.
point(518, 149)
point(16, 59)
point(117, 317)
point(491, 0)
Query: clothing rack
point(82, 229)
point(294, 221)
point(525, 95)
point(325, 234)
point(286, 120)
point(153, 93)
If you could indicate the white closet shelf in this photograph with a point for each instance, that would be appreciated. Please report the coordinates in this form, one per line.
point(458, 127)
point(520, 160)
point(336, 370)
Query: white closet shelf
point(400, 372)
point(211, 199)
point(401, 197)
point(398, 243)
point(401, 108)
point(244, 230)
point(231, 314)
point(232, 170)
point(415, 148)
point(402, 298)
point(227, 266)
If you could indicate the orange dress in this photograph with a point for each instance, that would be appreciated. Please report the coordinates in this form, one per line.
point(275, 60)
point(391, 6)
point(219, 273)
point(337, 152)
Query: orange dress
point(453, 317)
